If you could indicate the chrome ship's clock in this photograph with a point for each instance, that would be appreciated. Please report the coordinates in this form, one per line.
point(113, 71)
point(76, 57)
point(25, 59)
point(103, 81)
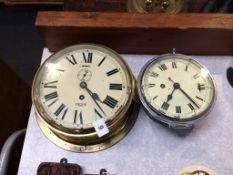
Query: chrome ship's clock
point(176, 90)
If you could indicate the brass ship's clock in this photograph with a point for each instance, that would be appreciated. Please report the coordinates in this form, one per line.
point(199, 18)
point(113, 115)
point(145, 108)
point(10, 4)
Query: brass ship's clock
point(84, 98)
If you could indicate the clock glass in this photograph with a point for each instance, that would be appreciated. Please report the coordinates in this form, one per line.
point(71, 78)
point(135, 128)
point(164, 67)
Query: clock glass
point(78, 87)
point(177, 87)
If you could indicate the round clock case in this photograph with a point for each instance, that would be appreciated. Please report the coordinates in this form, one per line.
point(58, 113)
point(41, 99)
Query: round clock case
point(85, 98)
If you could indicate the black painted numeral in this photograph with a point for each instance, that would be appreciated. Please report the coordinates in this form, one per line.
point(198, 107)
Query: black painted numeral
point(51, 84)
point(165, 106)
point(178, 109)
point(75, 116)
point(101, 62)
point(199, 98)
point(151, 85)
point(59, 109)
point(155, 97)
point(153, 74)
point(111, 102)
point(174, 66)
point(51, 96)
point(163, 67)
point(186, 68)
point(52, 103)
point(197, 75)
point(81, 117)
point(191, 106)
point(112, 72)
point(87, 56)
point(114, 86)
point(201, 87)
point(64, 114)
point(71, 59)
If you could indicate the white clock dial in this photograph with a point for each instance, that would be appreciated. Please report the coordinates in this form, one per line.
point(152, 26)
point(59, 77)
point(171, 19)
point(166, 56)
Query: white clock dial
point(177, 87)
point(82, 86)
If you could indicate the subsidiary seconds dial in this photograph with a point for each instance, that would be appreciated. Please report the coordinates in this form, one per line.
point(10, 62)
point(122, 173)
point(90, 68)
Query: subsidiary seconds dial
point(81, 85)
point(177, 88)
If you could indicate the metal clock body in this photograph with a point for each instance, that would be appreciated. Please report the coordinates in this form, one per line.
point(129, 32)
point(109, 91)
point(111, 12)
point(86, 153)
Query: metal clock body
point(78, 86)
point(176, 90)
point(155, 6)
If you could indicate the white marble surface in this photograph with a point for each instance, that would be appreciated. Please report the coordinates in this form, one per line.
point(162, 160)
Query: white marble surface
point(149, 148)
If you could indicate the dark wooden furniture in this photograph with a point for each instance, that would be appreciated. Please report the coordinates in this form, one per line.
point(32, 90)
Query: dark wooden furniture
point(205, 34)
point(15, 102)
point(33, 2)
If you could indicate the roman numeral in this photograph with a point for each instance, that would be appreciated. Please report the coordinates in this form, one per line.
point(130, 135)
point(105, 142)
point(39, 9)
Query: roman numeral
point(155, 97)
point(71, 59)
point(151, 85)
point(52, 103)
point(201, 87)
point(64, 114)
point(163, 67)
point(98, 113)
point(101, 62)
point(178, 109)
point(165, 106)
point(81, 117)
point(186, 68)
point(112, 72)
point(111, 102)
point(174, 66)
point(75, 116)
point(191, 106)
point(153, 74)
point(51, 84)
point(199, 98)
point(59, 109)
point(61, 70)
point(87, 57)
point(197, 75)
point(51, 96)
point(114, 86)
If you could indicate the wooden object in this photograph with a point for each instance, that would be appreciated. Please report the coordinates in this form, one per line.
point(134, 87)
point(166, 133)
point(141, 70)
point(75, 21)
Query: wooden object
point(95, 5)
point(33, 2)
point(117, 5)
point(15, 102)
point(134, 33)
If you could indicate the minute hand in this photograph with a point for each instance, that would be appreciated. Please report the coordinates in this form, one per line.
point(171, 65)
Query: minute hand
point(94, 96)
point(189, 97)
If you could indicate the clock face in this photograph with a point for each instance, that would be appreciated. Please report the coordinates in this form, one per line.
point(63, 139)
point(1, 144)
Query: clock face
point(80, 85)
point(177, 87)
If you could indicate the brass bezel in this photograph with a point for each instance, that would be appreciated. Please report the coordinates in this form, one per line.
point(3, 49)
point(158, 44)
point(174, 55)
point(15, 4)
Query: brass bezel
point(86, 140)
point(139, 6)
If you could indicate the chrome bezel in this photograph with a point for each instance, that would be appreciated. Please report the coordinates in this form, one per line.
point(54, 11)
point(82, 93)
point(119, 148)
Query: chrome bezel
point(157, 115)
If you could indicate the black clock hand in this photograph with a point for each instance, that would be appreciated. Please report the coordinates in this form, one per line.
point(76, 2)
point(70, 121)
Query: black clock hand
point(189, 97)
point(177, 86)
point(84, 75)
point(169, 97)
point(94, 96)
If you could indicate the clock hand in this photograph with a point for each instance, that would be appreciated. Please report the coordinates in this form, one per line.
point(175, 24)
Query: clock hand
point(189, 97)
point(169, 97)
point(84, 75)
point(177, 86)
point(94, 96)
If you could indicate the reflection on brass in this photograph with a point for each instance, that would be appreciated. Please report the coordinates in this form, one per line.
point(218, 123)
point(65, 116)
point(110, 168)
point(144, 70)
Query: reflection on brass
point(197, 172)
point(153, 6)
